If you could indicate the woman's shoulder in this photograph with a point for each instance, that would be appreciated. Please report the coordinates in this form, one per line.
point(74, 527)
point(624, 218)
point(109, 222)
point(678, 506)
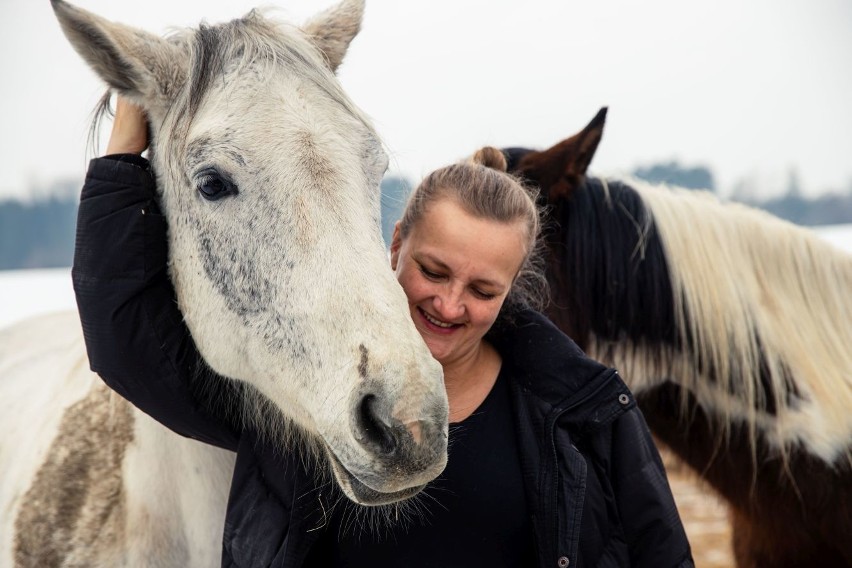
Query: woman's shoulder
point(526, 333)
point(535, 346)
point(548, 366)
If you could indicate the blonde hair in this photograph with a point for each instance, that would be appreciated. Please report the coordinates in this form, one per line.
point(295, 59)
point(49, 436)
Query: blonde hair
point(484, 189)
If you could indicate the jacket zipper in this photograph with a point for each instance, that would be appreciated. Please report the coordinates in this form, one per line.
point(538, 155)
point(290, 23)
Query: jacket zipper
point(551, 502)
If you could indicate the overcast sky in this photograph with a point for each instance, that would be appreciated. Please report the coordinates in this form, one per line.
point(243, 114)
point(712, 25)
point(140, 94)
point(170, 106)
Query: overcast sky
point(750, 88)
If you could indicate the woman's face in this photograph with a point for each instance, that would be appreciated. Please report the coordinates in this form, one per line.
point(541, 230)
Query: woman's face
point(456, 270)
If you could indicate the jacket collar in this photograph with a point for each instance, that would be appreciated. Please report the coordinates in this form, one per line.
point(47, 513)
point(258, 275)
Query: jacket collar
point(550, 366)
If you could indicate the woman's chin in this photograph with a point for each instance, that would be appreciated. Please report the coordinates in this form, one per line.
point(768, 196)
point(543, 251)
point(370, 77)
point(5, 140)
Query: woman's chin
point(439, 349)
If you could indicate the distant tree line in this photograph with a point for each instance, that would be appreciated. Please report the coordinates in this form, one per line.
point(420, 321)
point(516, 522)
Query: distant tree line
point(39, 233)
point(672, 173)
point(831, 208)
point(395, 190)
point(827, 209)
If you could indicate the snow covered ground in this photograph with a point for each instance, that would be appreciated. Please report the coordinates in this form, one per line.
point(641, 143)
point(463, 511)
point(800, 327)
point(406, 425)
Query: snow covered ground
point(838, 235)
point(25, 293)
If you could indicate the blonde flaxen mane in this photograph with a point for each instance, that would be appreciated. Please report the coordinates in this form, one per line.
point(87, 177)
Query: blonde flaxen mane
point(755, 294)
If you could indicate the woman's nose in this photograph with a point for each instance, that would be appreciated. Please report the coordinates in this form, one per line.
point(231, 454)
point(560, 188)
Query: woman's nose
point(449, 305)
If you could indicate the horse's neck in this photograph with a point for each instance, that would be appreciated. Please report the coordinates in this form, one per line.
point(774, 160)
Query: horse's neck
point(694, 436)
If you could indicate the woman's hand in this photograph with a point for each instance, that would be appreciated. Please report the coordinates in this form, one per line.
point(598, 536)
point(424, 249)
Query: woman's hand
point(129, 129)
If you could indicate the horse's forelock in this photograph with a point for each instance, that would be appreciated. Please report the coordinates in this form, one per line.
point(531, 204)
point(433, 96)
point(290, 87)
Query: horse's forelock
point(257, 40)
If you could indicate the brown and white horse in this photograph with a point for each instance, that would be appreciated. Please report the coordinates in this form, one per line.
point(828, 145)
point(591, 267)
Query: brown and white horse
point(268, 177)
point(734, 330)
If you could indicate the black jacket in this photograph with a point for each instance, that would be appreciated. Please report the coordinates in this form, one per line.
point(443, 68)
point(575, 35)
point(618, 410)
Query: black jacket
point(595, 485)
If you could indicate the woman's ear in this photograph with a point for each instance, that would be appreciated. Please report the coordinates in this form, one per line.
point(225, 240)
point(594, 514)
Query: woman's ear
point(396, 244)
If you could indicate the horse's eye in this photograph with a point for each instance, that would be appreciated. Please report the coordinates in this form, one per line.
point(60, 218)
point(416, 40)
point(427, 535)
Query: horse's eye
point(212, 186)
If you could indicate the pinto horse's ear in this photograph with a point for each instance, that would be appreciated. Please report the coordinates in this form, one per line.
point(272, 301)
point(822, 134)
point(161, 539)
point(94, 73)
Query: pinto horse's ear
point(139, 65)
point(559, 170)
point(334, 29)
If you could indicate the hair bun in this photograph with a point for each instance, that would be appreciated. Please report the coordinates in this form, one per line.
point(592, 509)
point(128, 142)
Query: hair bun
point(490, 157)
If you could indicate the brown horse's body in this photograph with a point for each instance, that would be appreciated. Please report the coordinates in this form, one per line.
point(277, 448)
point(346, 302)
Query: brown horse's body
point(748, 405)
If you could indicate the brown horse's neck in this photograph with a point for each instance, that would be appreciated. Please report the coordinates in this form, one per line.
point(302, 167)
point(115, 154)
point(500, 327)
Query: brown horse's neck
point(785, 513)
point(727, 465)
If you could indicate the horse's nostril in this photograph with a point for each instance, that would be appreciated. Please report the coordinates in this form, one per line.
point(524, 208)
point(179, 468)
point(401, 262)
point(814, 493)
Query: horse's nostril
point(376, 432)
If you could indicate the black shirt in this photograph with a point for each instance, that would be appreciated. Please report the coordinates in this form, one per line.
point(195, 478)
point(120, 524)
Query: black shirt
point(473, 514)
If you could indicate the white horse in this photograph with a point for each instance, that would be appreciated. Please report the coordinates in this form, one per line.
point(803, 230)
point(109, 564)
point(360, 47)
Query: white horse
point(284, 285)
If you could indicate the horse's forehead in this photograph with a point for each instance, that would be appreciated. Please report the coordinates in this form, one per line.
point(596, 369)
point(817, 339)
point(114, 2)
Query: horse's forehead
point(279, 108)
point(247, 77)
point(283, 134)
point(278, 129)
point(318, 157)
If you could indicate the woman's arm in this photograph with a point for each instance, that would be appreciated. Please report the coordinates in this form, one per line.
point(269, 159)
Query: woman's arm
point(135, 335)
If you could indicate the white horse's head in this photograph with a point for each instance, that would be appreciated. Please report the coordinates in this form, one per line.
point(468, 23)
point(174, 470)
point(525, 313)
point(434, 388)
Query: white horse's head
point(268, 178)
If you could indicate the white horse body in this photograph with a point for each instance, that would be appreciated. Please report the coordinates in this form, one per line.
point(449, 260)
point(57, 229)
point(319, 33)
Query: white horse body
point(165, 500)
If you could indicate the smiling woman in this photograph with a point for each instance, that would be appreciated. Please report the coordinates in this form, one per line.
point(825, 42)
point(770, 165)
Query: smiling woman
point(462, 243)
point(518, 390)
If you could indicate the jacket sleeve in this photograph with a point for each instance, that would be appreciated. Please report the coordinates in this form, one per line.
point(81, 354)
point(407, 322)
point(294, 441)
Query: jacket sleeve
point(135, 336)
point(653, 529)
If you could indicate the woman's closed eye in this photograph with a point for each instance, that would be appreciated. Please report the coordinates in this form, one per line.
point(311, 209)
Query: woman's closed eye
point(481, 294)
point(429, 274)
point(437, 277)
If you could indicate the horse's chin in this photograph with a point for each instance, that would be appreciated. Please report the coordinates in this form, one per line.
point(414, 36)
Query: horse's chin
point(361, 493)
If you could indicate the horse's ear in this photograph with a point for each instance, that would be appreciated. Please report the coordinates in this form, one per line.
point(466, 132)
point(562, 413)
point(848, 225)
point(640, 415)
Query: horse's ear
point(139, 65)
point(334, 29)
point(560, 170)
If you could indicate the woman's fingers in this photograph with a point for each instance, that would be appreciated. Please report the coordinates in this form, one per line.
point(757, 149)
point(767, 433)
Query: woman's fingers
point(129, 129)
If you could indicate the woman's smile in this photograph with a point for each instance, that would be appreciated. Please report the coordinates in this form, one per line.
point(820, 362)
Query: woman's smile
point(440, 326)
